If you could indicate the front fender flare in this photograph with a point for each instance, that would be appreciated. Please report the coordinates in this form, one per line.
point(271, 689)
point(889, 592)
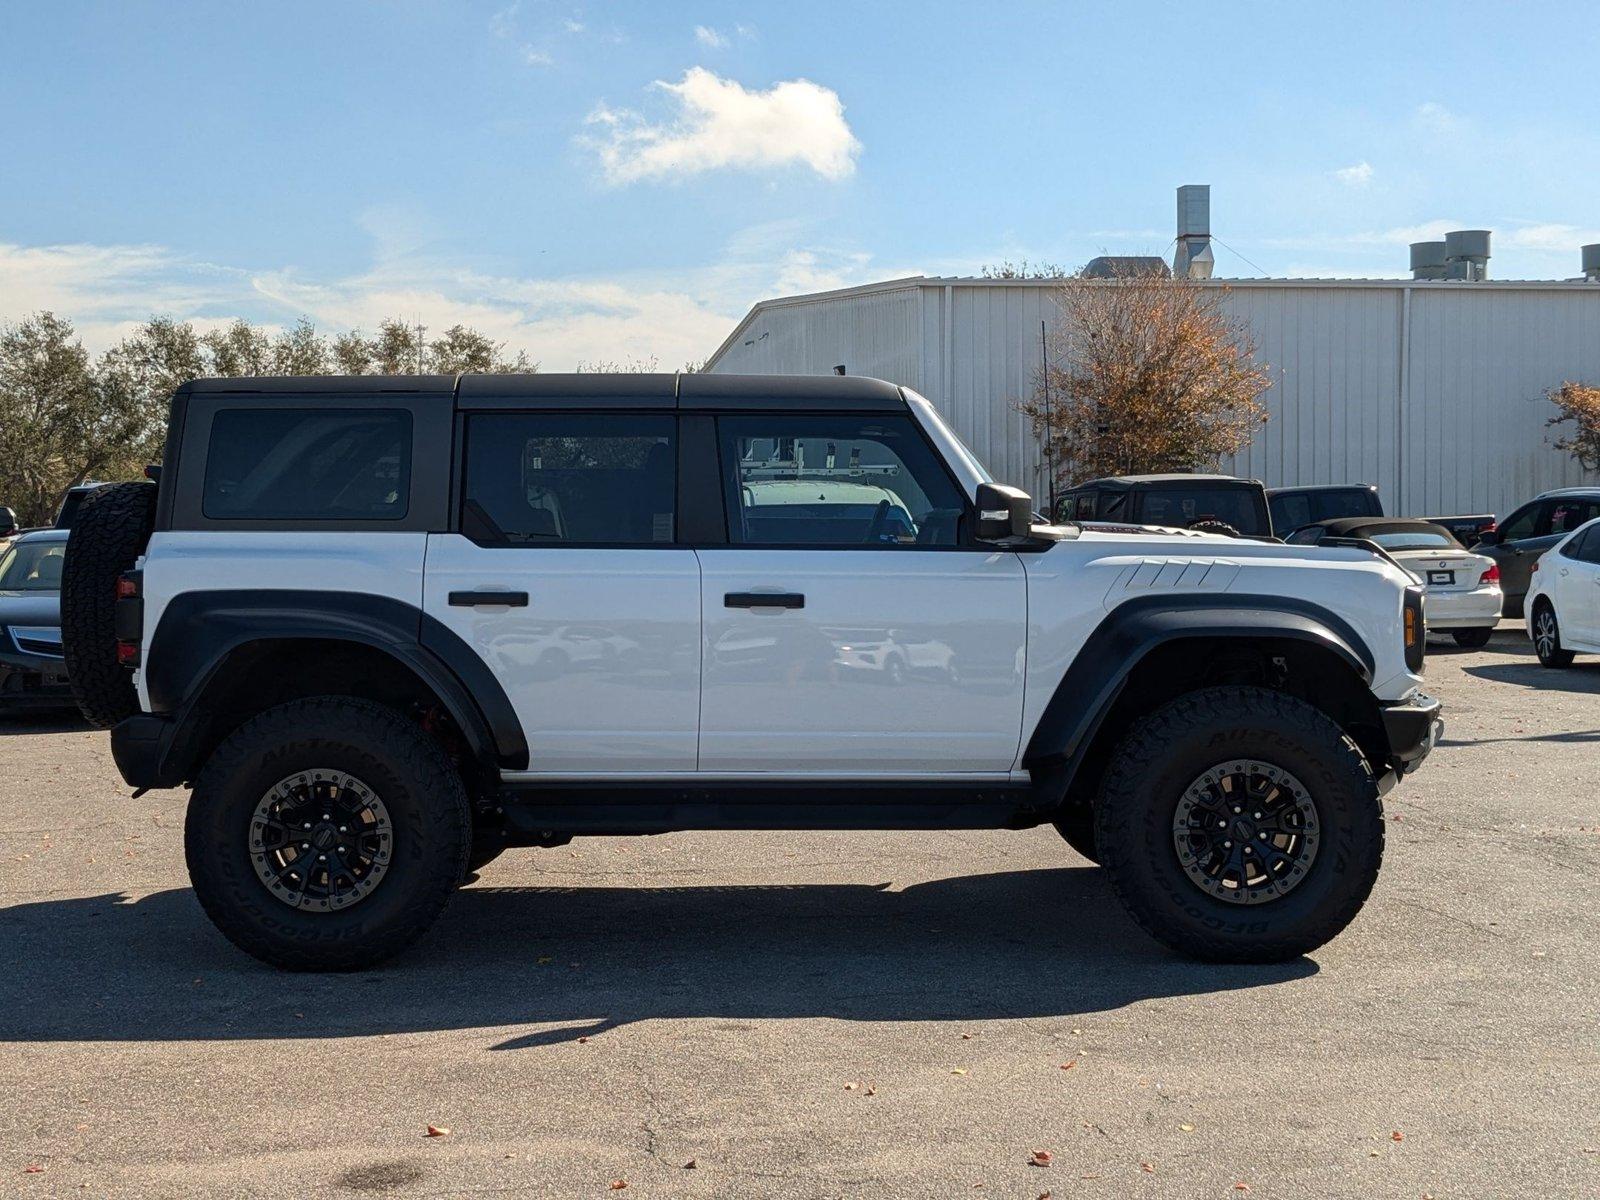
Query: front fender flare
point(1133, 629)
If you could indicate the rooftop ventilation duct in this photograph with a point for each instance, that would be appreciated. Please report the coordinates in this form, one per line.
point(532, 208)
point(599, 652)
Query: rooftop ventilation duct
point(1427, 260)
point(1591, 262)
point(1193, 258)
point(1466, 254)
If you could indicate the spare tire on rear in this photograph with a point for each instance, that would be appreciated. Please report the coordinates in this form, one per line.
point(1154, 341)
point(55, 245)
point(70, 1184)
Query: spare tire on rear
point(108, 535)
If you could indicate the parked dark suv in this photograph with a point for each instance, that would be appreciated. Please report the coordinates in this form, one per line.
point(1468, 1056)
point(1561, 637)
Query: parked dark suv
point(1173, 501)
point(1531, 530)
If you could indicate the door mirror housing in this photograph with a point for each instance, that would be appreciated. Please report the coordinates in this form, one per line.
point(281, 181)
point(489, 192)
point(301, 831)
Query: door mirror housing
point(1003, 513)
point(8, 522)
point(1489, 537)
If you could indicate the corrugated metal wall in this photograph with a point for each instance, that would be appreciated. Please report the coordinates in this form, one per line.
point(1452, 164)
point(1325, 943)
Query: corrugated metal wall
point(1431, 391)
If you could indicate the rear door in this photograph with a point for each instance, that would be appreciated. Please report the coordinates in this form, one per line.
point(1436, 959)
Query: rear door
point(848, 630)
point(570, 516)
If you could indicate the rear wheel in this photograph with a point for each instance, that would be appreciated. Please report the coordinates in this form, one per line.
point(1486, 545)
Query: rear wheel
point(1473, 639)
point(1547, 637)
point(108, 534)
point(1240, 825)
point(326, 834)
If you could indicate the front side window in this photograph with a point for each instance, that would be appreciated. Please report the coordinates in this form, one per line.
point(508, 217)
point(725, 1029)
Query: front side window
point(308, 464)
point(836, 481)
point(32, 567)
point(1524, 523)
point(535, 479)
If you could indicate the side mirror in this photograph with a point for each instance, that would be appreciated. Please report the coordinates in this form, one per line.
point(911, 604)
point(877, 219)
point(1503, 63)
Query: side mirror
point(1489, 537)
point(8, 522)
point(1003, 513)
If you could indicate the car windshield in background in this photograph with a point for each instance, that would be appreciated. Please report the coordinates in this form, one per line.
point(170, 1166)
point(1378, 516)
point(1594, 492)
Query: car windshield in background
point(1231, 506)
point(1415, 539)
point(32, 567)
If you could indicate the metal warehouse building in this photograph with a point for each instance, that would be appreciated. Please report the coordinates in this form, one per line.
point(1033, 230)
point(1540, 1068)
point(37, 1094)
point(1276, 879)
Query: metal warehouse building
point(1430, 388)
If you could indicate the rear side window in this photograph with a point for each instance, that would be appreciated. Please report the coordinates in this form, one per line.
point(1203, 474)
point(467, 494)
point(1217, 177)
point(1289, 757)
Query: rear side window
point(536, 479)
point(1567, 515)
point(308, 464)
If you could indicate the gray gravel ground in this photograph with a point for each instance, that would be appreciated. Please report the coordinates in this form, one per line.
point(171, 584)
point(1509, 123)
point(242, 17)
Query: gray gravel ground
point(616, 1009)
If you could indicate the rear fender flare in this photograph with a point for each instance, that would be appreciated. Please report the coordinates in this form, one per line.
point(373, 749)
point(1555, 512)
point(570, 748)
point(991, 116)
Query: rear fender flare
point(199, 632)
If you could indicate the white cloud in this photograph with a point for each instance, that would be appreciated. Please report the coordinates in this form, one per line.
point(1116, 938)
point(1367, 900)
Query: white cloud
point(503, 22)
point(536, 57)
point(673, 316)
point(1436, 118)
point(573, 25)
point(710, 38)
point(1550, 236)
point(1359, 175)
point(719, 123)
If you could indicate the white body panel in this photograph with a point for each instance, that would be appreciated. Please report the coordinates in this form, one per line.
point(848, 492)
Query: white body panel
point(602, 666)
point(901, 663)
point(1573, 587)
point(381, 564)
point(1459, 601)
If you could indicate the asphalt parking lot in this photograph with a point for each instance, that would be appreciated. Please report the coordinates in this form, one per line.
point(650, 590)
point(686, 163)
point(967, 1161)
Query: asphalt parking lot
point(798, 1015)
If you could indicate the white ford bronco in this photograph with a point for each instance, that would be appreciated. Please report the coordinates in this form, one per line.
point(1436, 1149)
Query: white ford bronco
point(384, 628)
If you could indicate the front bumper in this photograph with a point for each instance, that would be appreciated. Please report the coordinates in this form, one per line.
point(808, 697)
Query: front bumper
point(1414, 728)
point(33, 681)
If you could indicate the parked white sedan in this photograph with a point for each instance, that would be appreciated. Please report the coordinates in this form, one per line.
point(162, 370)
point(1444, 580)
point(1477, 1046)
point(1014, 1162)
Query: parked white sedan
point(1462, 588)
point(1563, 608)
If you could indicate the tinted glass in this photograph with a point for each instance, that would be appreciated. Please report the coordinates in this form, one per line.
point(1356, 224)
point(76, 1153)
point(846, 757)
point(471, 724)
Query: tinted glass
point(1590, 551)
point(549, 478)
point(308, 464)
point(836, 481)
point(1182, 507)
point(1567, 515)
point(1308, 536)
point(32, 567)
point(1290, 512)
point(1524, 523)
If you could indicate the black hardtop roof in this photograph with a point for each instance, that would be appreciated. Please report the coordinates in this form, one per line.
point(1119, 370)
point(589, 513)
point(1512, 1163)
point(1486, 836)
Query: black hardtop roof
point(1323, 487)
point(585, 390)
point(1355, 526)
point(1134, 481)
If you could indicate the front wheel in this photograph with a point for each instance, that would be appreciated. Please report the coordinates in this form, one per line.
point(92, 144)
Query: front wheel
point(1239, 824)
point(326, 834)
point(1473, 639)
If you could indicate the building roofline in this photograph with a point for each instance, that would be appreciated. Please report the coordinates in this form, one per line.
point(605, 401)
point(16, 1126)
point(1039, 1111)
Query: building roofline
point(908, 282)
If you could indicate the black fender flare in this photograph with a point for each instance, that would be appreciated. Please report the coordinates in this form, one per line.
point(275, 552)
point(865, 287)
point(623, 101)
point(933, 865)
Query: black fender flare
point(1134, 628)
point(199, 631)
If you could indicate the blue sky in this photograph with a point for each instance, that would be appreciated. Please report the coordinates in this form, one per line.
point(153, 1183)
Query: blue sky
point(617, 181)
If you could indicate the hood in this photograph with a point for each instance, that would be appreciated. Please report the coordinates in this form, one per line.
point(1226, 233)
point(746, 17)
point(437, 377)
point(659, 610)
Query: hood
point(30, 608)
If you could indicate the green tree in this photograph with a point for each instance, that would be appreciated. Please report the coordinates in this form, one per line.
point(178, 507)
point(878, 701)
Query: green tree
point(61, 421)
point(238, 352)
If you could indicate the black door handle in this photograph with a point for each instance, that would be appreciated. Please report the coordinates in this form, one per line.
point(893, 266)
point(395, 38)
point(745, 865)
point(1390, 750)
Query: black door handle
point(763, 600)
point(477, 599)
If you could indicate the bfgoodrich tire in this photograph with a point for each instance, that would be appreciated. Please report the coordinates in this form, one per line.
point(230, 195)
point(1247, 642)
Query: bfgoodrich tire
point(326, 834)
point(1224, 768)
point(109, 532)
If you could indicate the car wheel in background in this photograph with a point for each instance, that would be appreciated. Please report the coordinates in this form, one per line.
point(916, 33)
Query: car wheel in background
point(1547, 637)
point(1473, 639)
point(108, 534)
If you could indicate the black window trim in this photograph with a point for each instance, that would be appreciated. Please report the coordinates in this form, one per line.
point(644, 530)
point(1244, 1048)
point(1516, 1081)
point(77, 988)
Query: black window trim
point(458, 471)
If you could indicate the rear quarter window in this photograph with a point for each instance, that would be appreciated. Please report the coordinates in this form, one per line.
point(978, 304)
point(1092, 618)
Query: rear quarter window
point(308, 464)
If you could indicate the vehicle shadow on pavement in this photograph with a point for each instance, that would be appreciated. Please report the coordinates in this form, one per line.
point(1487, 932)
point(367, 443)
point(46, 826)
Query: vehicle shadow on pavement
point(578, 961)
point(51, 720)
point(1582, 677)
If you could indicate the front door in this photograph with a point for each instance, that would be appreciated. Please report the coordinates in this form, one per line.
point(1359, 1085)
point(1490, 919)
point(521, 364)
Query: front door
point(570, 516)
point(1577, 587)
point(848, 631)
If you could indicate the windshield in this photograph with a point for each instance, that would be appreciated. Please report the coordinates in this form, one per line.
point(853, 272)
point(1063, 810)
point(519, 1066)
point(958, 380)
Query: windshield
point(1293, 510)
point(32, 567)
point(1183, 506)
point(1416, 539)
